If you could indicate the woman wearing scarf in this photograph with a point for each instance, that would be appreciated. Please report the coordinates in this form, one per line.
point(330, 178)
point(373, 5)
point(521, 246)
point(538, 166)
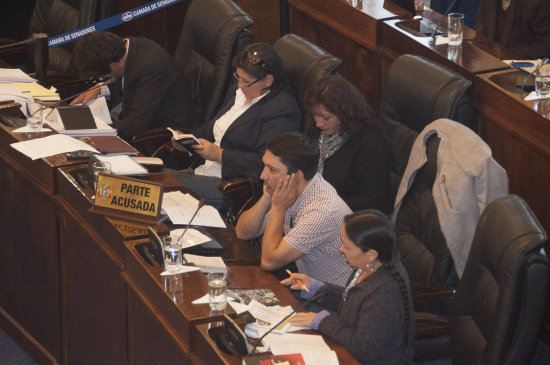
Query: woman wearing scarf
point(354, 158)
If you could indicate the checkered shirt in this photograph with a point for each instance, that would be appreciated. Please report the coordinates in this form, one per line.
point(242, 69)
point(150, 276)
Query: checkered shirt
point(312, 225)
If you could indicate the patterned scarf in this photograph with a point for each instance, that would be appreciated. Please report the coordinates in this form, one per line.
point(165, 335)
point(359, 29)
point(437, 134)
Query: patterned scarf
point(328, 145)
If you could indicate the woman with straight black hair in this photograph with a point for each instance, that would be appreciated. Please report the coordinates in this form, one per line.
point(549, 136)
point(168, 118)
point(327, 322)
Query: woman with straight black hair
point(374, 318)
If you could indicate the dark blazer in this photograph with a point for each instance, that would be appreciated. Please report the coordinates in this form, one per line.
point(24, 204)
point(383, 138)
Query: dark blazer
point(525, 29)
point(360, 172)
point(370, 323)
point(154, 93)
point(245, 140)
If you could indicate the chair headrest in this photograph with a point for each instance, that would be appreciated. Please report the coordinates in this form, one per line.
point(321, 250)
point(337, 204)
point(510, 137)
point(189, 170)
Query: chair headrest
point(303, 62)
point(418, 91)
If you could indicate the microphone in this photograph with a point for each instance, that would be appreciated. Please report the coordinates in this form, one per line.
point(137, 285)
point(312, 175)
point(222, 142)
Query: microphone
point(320, 293)
point(56, 104)
point(201, 204)
point(26, 41)
point(441, 19)
point(536, 69)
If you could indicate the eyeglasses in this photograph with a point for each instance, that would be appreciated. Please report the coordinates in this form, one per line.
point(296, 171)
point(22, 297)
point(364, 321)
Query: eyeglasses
point(238, 78)
point(254, 58)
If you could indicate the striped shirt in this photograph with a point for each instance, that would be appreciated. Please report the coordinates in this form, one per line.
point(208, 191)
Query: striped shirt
point(312, 225)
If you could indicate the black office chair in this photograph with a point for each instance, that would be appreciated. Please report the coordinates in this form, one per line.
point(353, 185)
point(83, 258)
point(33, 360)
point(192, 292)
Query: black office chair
point(54, 17)
point(303, 64)
point(500, 301)
point(213, 32)
point(416, 92)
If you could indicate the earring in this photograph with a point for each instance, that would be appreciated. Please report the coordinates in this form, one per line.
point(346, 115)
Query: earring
point(370, 266)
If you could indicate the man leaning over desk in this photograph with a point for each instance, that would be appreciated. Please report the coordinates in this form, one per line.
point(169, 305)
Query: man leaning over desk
point(151, 83)
point(299, 213)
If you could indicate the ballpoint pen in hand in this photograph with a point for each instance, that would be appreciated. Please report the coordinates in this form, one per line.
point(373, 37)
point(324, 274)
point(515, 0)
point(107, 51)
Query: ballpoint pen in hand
point(297, 280)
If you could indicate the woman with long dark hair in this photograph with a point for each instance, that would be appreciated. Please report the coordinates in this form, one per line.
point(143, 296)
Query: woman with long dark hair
point(374, 318)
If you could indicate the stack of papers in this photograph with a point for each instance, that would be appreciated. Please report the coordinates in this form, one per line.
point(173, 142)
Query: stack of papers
point(181, 207)
point(14, 75)
point(35, 90)
point(206, 264)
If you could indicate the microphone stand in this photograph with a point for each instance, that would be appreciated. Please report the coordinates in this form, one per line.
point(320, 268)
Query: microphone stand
point(201, 203)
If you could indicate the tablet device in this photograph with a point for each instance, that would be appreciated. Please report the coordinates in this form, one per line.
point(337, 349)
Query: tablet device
point(76, 117)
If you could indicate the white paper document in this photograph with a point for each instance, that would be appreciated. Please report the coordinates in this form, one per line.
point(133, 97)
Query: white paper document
point(51, 145)
point(123, 165)
point(181, 270)
point(191, 238)
point(180, 208)
point(11, 93)
point(9, 75)
point(313, 348)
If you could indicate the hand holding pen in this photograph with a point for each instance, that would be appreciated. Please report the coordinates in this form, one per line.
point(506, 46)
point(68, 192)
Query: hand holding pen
point(301, 279)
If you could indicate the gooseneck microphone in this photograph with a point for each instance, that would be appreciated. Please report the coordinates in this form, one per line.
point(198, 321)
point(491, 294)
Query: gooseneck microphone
point(56, 104)
point(201, 204)
point(320, 293)
point(443, 16)
point(536, 69)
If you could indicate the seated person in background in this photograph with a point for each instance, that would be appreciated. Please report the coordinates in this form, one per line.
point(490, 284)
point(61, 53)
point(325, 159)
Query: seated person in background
point(353, 156)
point(233, 142)
point(468, 8)
point(374, 318)
point(299, 213)
point(521, 25)
point(150, 82)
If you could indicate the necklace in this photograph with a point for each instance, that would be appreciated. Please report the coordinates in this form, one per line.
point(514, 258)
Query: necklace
point(505, 4)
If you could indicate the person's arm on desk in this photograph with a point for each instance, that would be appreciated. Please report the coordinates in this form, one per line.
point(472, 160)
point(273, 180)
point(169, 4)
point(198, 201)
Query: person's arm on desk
point(251, 221)
point(86, 97)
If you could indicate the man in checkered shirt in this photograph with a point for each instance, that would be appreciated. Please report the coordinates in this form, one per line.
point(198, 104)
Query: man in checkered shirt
point(299, 213)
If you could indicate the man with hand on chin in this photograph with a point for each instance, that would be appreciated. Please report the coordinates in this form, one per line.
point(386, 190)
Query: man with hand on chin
point(299, 213)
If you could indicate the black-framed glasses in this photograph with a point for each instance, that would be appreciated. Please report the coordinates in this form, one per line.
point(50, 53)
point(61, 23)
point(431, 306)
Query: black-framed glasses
point(238, 78)
point(254, 58)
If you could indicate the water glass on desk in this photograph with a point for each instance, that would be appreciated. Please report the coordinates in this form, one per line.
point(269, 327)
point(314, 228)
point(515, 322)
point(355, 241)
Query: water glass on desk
point(34, 122)
point(172, 254)
point(542, 82)
point(455, 28)
point(217, 290)
point(100, 166)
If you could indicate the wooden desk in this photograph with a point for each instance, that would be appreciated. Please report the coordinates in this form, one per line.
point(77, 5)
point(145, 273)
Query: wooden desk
point(29, 269)
point(348, 32)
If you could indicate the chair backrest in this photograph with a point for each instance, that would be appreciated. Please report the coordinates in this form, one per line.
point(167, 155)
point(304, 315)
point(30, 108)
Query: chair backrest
point(416, 92)
point(420, 240)
point(213, 32)
point(303, 64)
point(500, 302)
point(55, 17)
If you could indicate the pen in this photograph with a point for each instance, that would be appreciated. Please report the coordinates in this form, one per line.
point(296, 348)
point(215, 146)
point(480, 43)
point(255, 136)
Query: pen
point(298, 281)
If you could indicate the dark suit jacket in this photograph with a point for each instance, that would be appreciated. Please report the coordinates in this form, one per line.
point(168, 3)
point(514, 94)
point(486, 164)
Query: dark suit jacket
point(526, 26)
point(245, 140)
point(154, 93)
point(360, 172)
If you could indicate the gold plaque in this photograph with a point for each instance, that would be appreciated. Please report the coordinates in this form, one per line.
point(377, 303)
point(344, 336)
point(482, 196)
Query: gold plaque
point(129, 195)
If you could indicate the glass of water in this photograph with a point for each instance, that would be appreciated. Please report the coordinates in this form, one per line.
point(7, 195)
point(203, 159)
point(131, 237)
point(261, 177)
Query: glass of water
point(217, 290)
point(100, 166)
point(172, 254)
point(542, 82)
point(455, 28)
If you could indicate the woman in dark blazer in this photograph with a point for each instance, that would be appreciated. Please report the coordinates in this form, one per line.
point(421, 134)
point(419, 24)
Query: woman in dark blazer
point(233, 142)
point(354, 158)
point(374, 318)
